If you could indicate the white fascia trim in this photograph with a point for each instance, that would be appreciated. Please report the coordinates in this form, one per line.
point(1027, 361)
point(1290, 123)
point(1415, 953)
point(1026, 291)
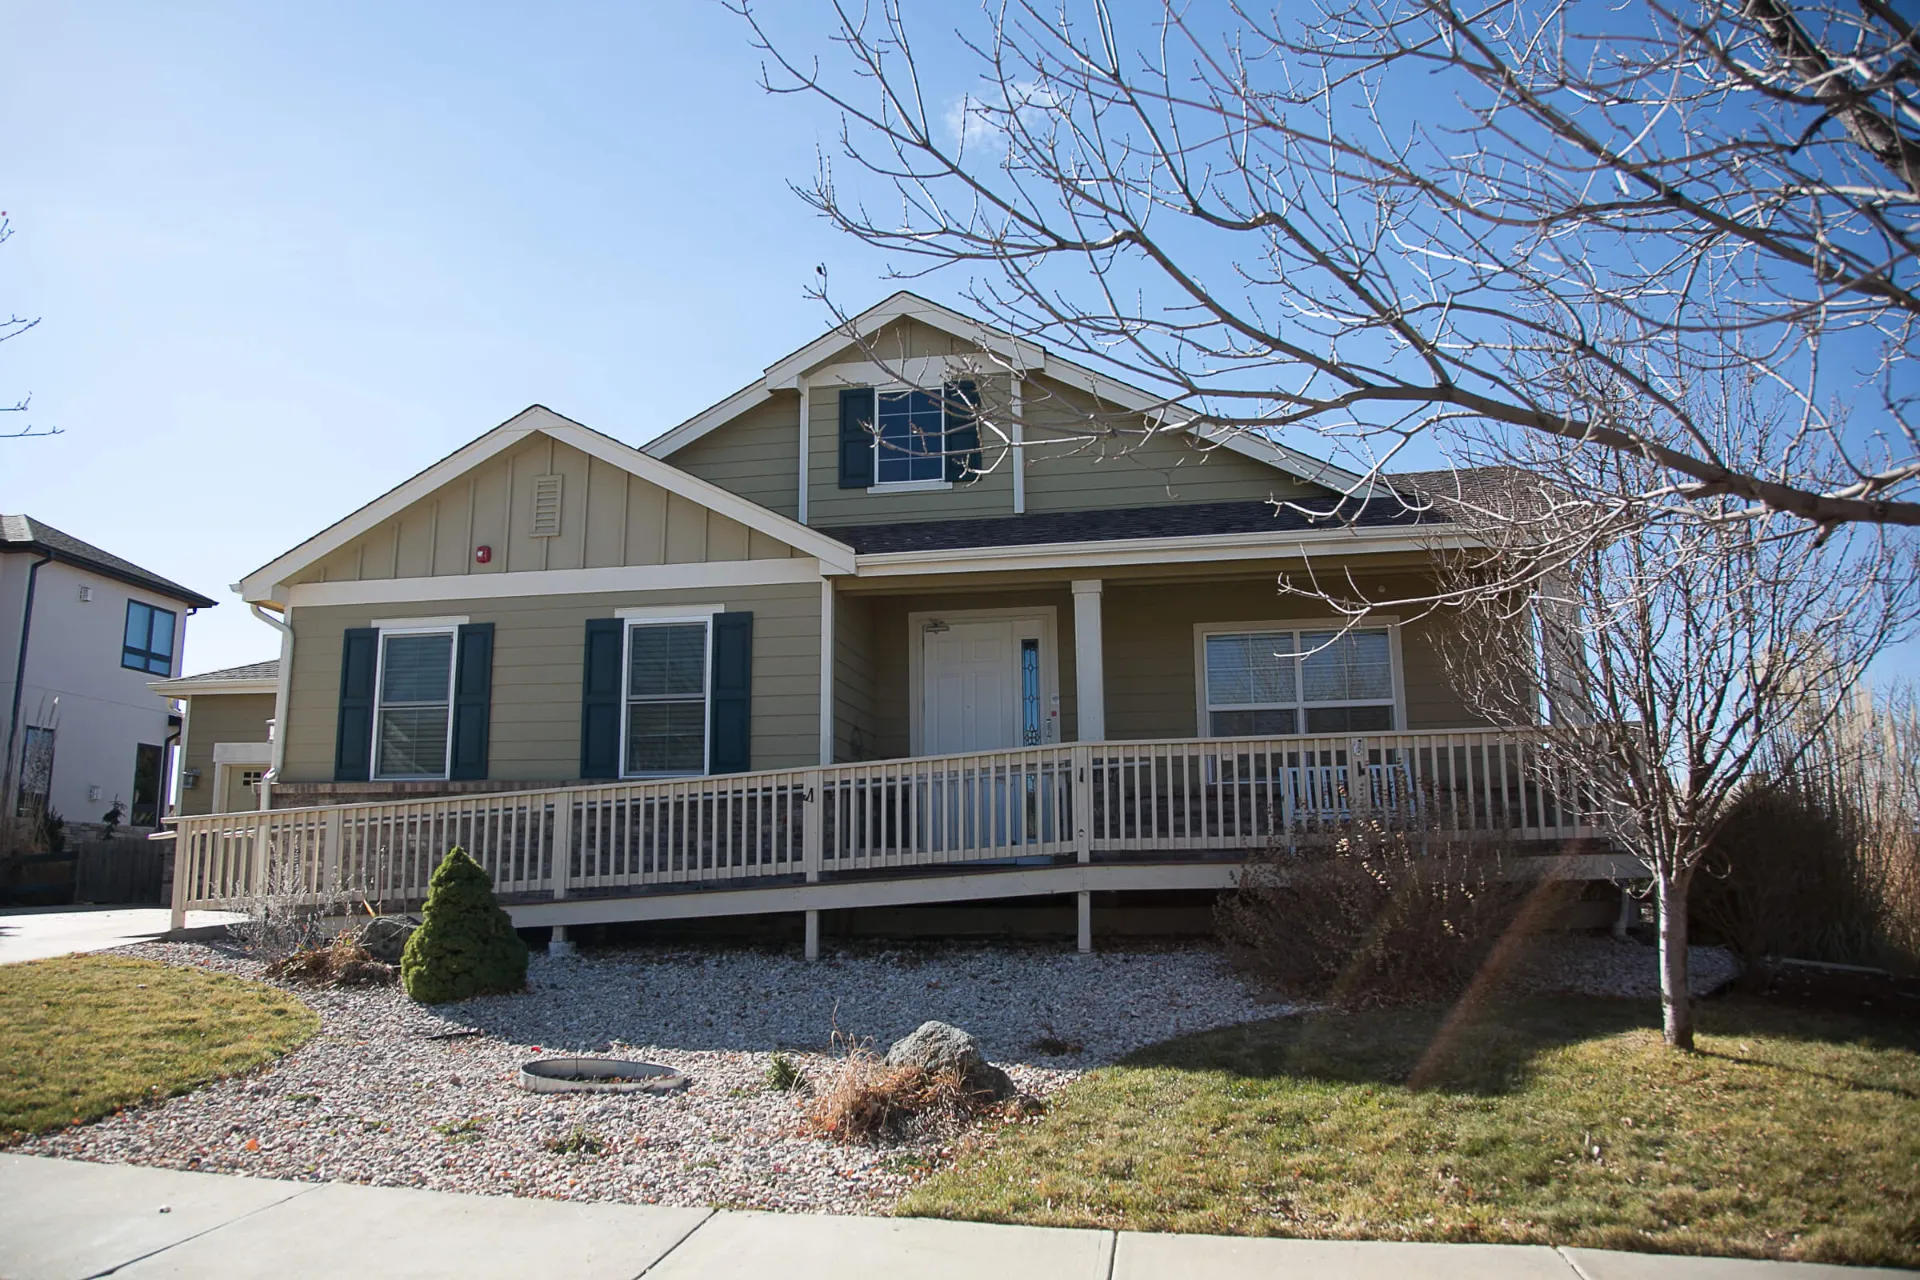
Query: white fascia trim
point(747, 397)
point(243, 753)
point(1126, 551)
point(257, 586)
point(198, 689)
point(441, 623)
point(558, 582)
point(669, 612)
point(266, 582)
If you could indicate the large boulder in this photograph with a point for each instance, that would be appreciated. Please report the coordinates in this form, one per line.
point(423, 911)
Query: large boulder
point(385, 937)
point(937, 1047)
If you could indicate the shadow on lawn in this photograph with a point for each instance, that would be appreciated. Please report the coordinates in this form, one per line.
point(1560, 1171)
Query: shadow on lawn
point(1493, 1049)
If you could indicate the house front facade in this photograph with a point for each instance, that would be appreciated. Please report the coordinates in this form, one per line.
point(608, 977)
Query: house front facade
point(914, 539)
point(82, 633)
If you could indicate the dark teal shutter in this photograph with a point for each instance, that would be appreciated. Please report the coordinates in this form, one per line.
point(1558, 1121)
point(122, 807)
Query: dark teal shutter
point(600, 700)
point(353, 734)
point(472, 701)
point(856, 437)
point(730, 695)
point(963, 432)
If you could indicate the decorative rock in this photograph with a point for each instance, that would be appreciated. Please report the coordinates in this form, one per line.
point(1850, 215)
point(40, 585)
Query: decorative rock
point(385, 937)
point(937, 1046)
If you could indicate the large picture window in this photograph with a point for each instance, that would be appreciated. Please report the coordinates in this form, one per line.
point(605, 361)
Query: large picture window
point(148, 645)
point(414, 711)
point(1283, 681)
point(666, 698)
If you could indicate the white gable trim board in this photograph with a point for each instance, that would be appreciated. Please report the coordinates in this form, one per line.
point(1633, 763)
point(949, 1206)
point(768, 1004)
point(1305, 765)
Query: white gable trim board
point(267, 582)
point(1016, 356)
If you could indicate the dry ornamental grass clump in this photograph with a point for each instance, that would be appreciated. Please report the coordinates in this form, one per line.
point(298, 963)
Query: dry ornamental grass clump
point(343, 962)
point(864, 1100)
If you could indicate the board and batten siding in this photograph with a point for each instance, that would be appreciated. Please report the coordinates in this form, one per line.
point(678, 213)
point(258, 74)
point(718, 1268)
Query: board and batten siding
point(213, 718)
point(608, 517)
point(538, 646)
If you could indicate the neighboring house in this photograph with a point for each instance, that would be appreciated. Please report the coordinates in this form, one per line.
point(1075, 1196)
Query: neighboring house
point(831, 567)
point(226, 736)
point(82, 632)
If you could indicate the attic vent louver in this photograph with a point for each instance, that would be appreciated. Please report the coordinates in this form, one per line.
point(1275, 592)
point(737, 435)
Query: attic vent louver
point(546, 506)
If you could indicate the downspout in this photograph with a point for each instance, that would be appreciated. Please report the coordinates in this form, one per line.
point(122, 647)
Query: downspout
point(272, 775)
point(19, 681)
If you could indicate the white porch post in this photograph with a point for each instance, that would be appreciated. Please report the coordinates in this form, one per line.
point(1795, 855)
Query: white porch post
point(1085, 906)
point(1090, 680)
point(813, 935)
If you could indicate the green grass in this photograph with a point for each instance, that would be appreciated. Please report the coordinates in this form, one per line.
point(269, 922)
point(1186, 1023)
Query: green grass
point(1562, 1122)
point(83, 1036)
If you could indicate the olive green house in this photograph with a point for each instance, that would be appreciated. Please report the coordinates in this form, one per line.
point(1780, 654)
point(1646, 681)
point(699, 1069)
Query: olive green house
point(922, 598)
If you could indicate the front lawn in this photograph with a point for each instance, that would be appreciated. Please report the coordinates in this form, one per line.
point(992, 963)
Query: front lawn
point(1789, 1134)
point(82, 1036)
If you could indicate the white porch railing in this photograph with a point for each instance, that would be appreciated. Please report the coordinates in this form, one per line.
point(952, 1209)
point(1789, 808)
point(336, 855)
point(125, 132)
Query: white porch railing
point(1086, 801)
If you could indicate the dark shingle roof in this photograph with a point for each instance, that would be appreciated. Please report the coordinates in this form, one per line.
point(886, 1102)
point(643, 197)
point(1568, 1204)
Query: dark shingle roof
point(1181, 520)
point(24, 533)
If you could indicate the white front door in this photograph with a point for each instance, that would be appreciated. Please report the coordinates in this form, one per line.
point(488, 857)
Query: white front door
point(971, 676)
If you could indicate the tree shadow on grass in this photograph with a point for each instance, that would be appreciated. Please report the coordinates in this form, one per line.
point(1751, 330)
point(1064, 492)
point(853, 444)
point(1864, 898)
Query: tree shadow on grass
point(1493, 1048)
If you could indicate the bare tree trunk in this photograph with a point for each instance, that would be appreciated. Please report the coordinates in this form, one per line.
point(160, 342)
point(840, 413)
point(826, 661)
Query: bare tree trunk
point(1676, 998)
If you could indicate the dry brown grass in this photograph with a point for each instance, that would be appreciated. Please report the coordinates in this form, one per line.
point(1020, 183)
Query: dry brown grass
point(864, 1100)
point(343, 962)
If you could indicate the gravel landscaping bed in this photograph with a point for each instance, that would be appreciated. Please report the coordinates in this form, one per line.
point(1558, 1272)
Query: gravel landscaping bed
point(374, 1099)
point(397, 1094)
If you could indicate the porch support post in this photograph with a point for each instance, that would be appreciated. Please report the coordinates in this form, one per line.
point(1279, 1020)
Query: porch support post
point(813, 935)
point(1090, 679)
point(826, 670)
point(1086, 921)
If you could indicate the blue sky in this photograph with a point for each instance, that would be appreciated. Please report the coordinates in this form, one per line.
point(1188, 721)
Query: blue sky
point(285, 256)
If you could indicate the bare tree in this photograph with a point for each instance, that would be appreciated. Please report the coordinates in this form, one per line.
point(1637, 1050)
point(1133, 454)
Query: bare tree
point(1383, 216)
point(10, 328)
point(1665, 661)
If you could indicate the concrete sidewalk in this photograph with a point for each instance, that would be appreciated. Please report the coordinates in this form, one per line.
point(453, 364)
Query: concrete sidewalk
point(38, 933)
point(65, 1220)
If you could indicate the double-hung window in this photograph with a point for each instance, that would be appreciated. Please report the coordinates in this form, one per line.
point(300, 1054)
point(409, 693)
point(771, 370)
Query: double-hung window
point(666, 698)
point(413, 712)
point(1277, 681)
point(148, 644)
point(909, 437)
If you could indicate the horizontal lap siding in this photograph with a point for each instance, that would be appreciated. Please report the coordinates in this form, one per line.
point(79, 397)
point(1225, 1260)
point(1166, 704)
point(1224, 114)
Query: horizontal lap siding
point(854, 735)
point(1152, 683)
point(755, 455)
point(535, 734)
point(219, 717)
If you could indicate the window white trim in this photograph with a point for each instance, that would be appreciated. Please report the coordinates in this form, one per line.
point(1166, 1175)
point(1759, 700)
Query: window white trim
point(1385, 622)
point(909, 486)
point(441, 627)
point(670, 612)
point(689, 615)
point(419, 624)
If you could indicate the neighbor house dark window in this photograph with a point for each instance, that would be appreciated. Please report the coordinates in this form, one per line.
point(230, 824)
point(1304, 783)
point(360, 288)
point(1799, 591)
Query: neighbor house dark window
point(147, 759)
point(149, 640)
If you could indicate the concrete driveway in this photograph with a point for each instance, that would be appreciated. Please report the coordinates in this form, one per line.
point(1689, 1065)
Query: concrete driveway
point(34, 933)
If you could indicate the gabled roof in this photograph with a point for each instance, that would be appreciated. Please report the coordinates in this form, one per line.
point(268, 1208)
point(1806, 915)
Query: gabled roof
point(24, 533)
point(1020, 355)
point(255, 677)
point(538, 419)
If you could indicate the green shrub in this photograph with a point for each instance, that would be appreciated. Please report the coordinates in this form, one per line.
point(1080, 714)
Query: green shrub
point(465, 945)
point(783, 1074)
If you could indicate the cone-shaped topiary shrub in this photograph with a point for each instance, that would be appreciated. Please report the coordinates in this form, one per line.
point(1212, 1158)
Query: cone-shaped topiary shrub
point(465, 945)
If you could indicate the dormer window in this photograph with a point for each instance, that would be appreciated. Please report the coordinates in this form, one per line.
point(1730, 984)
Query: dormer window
point(910, 439)
point(894, 439)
